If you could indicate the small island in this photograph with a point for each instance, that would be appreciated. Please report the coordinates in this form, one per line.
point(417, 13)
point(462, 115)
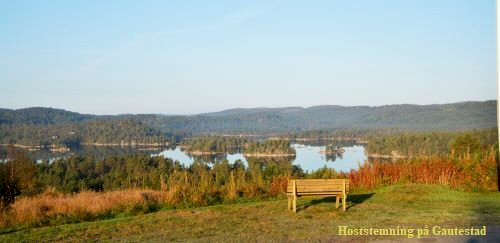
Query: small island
point(206, 146)
point(331, 149)
point(59, 148)
point(269, 148)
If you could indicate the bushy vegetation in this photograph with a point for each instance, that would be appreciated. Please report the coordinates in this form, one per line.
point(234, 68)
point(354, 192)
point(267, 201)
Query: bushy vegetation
point(78, 173)
point(471, 172)
point(17, 177)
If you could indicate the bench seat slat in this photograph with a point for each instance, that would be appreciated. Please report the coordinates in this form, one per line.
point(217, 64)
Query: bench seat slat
point(317, 193)
point(320, 184)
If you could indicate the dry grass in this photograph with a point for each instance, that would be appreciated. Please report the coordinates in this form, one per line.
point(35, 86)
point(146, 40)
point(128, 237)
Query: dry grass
point(85, 205)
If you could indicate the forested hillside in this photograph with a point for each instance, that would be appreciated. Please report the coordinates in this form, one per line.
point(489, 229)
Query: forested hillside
point(47, 125)
point(40, 116)
point(457, 116)
point(127, 132)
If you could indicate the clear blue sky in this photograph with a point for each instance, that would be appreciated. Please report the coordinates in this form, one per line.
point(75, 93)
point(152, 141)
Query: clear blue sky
point(184, 57)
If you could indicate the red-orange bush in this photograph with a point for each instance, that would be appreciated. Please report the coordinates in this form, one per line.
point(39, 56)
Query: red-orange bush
point(278, 185)
point(469, 172)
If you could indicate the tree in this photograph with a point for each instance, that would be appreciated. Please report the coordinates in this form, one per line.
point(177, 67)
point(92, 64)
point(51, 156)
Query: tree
point(17, 177)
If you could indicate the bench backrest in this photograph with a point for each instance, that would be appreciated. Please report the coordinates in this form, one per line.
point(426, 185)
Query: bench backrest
point(318, 185)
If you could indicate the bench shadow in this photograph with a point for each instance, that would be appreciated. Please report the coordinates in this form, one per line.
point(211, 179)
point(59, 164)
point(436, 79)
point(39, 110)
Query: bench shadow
point(352, 200)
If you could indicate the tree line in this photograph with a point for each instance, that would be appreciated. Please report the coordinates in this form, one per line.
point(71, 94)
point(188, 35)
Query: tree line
point(416, 144)
point(70, 134)
point(269, 147)
point(214, 144)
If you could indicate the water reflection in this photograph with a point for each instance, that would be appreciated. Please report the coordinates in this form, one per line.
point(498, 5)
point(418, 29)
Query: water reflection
point(308, 157)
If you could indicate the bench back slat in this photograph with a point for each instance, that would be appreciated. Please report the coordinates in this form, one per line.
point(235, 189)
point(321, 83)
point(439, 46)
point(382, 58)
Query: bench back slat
point(318, 185)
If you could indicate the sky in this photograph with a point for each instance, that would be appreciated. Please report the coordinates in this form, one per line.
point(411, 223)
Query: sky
point(188, 57)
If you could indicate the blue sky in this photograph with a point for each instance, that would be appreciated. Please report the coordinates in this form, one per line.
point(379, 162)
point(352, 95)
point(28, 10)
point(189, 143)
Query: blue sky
point(185, 57)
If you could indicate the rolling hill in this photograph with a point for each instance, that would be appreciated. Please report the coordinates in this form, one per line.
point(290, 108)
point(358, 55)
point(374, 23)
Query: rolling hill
point(455, 116)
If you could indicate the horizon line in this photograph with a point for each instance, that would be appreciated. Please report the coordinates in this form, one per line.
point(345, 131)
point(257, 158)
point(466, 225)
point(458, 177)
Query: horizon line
point(243, 108)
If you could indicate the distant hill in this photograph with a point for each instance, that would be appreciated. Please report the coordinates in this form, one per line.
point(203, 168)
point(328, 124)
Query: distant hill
point(40, 116)
point(455, 116)
point(249, 111)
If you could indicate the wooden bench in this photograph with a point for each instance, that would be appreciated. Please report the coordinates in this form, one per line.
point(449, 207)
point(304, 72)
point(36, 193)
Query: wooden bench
point(317, 187)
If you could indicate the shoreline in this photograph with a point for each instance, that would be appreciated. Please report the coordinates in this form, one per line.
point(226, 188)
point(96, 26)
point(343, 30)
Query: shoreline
point(209, 153)
point(268, 155)
point(204, 153)
point(331, 153)
point(386, 156)
point(52, 146)
point(126, 144)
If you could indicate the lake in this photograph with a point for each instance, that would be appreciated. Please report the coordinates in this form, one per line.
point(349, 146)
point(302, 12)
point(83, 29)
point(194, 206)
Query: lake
point(308, 157)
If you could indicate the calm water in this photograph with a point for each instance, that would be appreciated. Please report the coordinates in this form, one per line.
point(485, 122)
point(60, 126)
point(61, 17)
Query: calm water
point(307, 156)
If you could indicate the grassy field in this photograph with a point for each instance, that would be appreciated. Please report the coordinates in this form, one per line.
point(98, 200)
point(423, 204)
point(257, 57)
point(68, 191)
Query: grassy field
point(407, 206)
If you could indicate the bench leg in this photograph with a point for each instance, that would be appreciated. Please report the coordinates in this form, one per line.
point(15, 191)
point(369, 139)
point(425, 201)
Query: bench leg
point(289, 202)
point(294, 204)
point(337, 201)
point(344, 200)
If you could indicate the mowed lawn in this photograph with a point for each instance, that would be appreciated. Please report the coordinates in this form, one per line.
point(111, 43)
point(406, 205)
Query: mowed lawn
point(411, 205)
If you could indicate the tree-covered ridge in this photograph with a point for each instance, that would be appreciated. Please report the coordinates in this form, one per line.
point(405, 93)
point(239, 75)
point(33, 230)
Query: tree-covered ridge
point(415, 144)
point(211, 145)
point(41, 116)
point(126, 132)
point(269, 147)
point(456, 116)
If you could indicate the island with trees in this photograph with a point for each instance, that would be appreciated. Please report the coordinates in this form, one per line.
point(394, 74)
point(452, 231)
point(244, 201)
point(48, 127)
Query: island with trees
point(211, 145)
point(269, 148)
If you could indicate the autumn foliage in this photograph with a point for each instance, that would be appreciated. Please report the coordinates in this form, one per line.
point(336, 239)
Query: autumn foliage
point(476, 172)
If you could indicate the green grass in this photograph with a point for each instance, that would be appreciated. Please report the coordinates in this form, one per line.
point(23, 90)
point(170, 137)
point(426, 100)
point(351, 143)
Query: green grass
point(317, 219)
